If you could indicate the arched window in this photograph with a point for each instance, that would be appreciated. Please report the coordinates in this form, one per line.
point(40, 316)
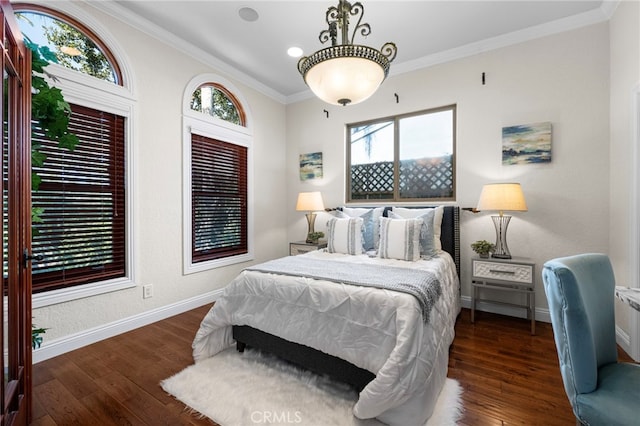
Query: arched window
point(214, 100)
point(82, 197)
point(74, 45)
point(217, 176)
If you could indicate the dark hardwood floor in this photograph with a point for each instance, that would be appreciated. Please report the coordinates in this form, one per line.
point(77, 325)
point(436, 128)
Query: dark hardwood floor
point(509, 377)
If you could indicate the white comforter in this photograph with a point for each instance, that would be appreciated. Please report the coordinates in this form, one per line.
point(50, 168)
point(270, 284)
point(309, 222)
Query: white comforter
point(379, 330)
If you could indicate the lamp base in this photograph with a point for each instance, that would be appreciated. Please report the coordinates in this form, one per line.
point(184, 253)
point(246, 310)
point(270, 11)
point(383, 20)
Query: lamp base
point(311, 219)
point(501, 223)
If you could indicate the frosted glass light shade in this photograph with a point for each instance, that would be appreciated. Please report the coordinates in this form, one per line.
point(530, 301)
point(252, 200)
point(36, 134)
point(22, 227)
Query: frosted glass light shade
point(502, 197)
point(346, 73)
point(309, 201)
point(347, 80)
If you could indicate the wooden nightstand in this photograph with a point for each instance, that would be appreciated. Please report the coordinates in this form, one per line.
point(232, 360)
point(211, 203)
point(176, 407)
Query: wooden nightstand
point(512, 275)
point(300, 247)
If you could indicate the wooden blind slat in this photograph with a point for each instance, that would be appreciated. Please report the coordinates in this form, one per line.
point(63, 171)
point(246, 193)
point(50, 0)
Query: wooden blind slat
point(219, 199)
point(83, 234)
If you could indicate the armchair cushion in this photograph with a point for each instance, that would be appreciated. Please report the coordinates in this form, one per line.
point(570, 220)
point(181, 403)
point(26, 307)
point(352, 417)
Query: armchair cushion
point(616, 399)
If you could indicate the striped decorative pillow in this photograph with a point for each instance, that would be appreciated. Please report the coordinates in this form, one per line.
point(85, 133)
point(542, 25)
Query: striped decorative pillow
point(344, 235)
point(400, 239)
point(427, 249)
point(408, 213)
point(370, 224)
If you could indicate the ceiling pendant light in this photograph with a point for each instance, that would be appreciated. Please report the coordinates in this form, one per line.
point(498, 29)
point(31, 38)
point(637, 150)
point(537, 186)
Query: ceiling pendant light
point(346, 73)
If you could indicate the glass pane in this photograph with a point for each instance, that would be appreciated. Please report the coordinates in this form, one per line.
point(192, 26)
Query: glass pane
point(426, 155)
point(219, 194)
point(80, 201)
point(72, 48)
point(214, 102)
point(372, 154)
point(5, 182)
point(5, 217)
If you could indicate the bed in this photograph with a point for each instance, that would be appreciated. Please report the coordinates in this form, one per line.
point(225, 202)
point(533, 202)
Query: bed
point(391, 344)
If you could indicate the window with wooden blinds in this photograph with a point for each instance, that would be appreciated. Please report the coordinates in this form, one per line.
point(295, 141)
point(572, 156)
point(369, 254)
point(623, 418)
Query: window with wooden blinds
point(82, 193)
point(219, 199)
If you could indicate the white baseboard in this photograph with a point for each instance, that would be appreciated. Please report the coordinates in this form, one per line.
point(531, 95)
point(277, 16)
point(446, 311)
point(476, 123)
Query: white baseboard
point(624, 340)
point(66, 344)
point(50, 349)
point(542, 314)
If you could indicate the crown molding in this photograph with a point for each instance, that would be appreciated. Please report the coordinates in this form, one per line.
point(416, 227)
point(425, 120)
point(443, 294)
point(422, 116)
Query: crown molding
point(118, 12)
point(550, 28)
point(595, 16)
point(603, 13)
point(608, 7)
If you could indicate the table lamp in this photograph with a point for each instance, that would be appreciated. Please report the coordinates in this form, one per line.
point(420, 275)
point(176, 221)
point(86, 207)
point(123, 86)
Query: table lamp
point(502, 197)
point(310, 202)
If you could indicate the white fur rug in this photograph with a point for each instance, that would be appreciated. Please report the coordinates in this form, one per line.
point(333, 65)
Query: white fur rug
point(251, 388)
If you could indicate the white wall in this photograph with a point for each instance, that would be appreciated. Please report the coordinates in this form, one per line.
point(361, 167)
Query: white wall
point(562, 78)
point(623, 224)
point(161, 73)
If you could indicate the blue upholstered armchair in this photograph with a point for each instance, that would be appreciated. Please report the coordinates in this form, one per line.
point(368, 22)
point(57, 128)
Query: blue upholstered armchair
point(580, 291)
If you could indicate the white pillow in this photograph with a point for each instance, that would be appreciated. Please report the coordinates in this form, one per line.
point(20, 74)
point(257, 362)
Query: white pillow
point(344, 235)
point(437, 220)
point(400, 239)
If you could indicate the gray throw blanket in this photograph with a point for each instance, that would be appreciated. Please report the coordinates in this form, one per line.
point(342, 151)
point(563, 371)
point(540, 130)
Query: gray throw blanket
point(423, 285)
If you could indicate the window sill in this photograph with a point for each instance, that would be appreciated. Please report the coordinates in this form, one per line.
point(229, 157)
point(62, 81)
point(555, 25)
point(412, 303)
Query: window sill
point(190, 268)
point(53, 297)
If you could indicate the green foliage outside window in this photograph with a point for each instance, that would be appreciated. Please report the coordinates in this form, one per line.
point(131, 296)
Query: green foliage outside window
point(49, 111)
point(82, 54)
point(214, 102)
point(68, 46)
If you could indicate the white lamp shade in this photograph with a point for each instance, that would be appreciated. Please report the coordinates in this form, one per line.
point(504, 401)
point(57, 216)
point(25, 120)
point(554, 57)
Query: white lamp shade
point(309, 201)
point(502, 197)
point(339, 79)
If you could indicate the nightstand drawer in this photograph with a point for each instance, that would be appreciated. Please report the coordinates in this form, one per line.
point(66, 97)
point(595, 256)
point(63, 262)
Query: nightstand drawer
point(513, 272)
point(302, 247)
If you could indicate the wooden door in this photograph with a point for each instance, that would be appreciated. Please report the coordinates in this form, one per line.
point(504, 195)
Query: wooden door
point(16, 224)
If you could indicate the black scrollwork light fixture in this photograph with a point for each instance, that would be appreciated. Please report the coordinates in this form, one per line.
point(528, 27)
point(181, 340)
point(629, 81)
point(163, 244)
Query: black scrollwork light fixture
point(346, 73)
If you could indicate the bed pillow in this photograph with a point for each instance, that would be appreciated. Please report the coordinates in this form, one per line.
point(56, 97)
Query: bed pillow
point(437, 220)
point(400, 239)
point(344, 235)
point(427, 244)
point(370, 224)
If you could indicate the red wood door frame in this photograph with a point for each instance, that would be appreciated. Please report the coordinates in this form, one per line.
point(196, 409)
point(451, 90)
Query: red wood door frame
point(16, 195)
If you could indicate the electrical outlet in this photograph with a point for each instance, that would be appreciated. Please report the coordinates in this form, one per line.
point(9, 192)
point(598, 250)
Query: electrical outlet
point(147, 291)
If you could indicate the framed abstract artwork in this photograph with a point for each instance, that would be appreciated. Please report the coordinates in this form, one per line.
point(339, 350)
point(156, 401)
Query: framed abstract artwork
point(526, 144)
point(310, 166)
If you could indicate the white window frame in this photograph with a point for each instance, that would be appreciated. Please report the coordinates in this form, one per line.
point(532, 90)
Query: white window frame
point(88, 91)
point(195, 122)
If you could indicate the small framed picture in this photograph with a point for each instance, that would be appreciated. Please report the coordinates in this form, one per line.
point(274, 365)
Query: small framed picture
point(526, 144)
point(310, 166)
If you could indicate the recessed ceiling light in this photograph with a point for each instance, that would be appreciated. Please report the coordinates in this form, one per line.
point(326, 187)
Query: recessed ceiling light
point(248, 14)
point(294, 52)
